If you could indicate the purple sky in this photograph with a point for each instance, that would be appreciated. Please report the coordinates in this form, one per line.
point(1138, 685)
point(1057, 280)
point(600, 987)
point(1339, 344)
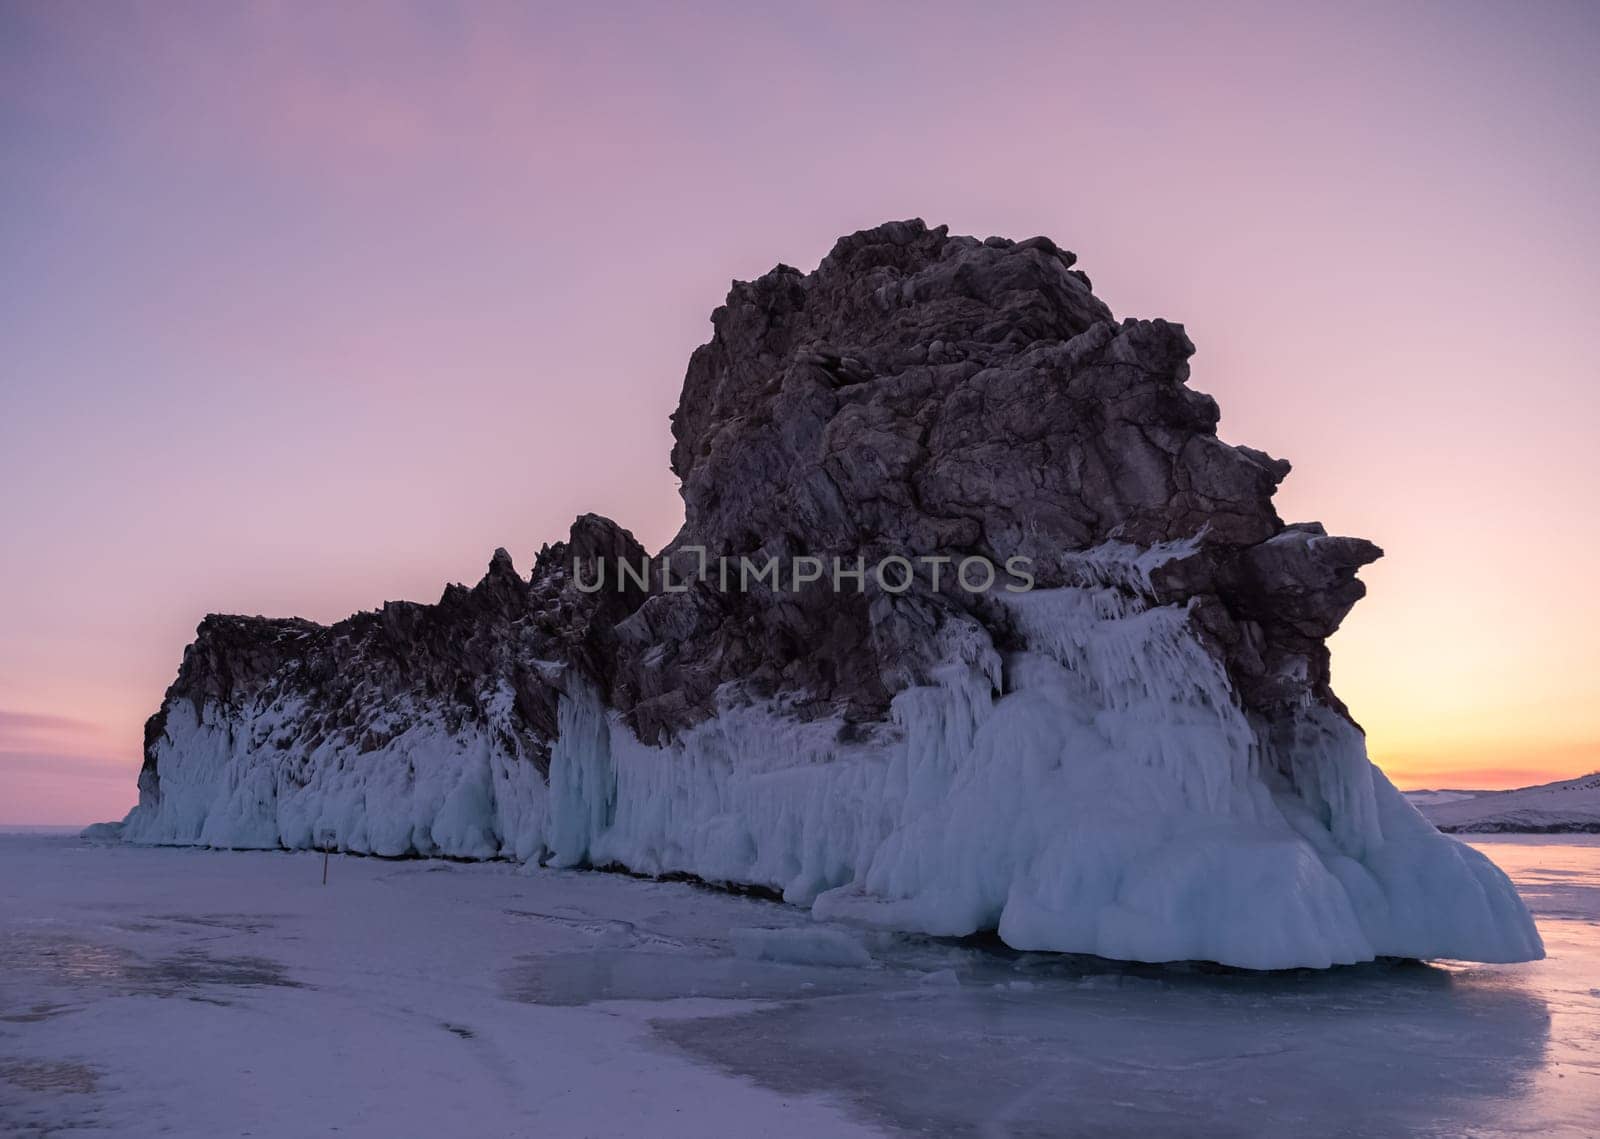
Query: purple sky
point(306, 307)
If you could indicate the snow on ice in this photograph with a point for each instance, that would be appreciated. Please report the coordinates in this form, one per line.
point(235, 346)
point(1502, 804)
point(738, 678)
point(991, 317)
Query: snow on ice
point(189, 993)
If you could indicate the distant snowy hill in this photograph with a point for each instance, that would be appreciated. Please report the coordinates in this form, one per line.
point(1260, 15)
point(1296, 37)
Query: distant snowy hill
point(1568, 805)
point(1421, 799)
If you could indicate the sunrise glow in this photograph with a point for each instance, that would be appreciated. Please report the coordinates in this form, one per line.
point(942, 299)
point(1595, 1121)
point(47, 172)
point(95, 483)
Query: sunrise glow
point(306, 308)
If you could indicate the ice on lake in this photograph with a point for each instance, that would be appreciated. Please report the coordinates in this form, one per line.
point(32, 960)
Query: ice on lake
point(187, 992)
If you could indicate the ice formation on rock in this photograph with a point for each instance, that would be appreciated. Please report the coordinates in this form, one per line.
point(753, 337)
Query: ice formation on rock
point(1141, 758)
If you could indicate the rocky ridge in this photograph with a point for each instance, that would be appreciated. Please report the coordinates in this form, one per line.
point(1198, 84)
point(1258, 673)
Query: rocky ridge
point(919, 395)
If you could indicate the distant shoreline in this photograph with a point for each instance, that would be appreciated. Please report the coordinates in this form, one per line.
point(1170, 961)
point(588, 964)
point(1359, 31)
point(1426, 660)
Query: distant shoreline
point(1568, 806)
point(1506, 828)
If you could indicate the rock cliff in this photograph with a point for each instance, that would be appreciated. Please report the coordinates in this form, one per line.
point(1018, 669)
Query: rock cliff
point(1088, 706)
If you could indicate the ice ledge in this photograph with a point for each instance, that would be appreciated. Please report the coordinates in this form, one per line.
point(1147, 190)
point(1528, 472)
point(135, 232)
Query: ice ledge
point(1115, 801)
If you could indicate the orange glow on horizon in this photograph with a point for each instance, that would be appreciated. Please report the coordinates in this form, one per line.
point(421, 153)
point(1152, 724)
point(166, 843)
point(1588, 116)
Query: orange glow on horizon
point(1491, 770)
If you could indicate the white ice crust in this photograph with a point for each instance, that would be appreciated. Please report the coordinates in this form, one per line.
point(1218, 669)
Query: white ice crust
point(1102, 792)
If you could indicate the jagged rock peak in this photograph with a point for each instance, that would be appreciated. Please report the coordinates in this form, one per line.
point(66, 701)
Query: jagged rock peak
point(500, 564)
point(935, 396)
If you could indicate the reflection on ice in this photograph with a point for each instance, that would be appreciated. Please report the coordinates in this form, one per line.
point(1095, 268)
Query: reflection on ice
point(1367, 1050)
point(69, 961)
point(370, 987)
point(963, 1038)
point(614, 975)
point(1048, 1045)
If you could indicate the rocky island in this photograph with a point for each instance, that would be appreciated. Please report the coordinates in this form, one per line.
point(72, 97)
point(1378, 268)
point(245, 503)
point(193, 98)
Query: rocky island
point(1136, 754)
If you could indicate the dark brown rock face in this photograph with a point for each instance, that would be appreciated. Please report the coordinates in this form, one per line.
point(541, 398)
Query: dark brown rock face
point(923, 395)
point(364, 681)
point(919, 396)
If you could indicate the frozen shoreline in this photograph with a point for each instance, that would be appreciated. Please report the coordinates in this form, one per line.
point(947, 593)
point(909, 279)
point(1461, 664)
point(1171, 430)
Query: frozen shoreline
point(1102, 792)
point(220, 993)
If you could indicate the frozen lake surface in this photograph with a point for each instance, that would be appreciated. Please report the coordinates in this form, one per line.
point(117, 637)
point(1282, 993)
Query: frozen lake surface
point(185, 992)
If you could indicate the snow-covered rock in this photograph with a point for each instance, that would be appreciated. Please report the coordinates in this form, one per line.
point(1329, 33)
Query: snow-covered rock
point(1139, 757)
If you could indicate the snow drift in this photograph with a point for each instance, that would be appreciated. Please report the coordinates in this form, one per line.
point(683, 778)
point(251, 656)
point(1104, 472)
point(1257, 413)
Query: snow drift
point(1140, 759)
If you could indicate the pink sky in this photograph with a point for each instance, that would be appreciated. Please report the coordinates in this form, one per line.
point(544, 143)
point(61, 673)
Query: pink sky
point(305, 307)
